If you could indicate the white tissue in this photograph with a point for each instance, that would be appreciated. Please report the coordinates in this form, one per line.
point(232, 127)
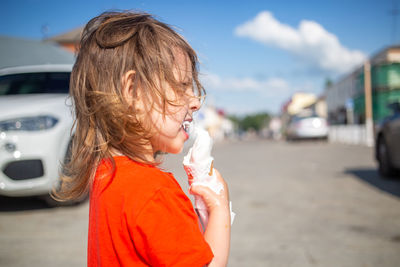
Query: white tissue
point(198, 166)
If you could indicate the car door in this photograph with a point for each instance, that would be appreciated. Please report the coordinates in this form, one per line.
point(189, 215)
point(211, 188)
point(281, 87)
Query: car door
point(395, 140)
point(393, 135)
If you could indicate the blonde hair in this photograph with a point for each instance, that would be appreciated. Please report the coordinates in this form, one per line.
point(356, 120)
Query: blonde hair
point(112, 44)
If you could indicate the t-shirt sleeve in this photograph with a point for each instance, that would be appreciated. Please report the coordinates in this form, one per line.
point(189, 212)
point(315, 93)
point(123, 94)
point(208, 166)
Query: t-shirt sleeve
point(167, 233)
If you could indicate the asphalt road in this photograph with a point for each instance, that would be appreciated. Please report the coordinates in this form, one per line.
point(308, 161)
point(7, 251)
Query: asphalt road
point(297, 204)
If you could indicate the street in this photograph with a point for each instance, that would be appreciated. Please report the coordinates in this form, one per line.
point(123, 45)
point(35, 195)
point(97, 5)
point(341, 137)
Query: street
point(296, 204)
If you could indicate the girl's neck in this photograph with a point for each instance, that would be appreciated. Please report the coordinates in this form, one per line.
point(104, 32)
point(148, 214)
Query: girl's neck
point(150, 157)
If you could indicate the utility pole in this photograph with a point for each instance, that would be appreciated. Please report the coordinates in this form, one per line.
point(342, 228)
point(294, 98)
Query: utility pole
point(369, 124)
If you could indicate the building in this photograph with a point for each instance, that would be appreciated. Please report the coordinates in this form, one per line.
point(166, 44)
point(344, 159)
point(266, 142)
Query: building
point(385, 83)
point(68, 40)
point(16, 52)
point(346, 99)
point(339, 97)
point(299, 101)
point(215, 122)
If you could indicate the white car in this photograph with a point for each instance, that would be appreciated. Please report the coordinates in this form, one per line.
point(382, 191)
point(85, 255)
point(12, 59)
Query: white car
point(307, 127)
point(35, 128)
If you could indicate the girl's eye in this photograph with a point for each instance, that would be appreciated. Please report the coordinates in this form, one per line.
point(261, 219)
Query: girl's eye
point(186, 84)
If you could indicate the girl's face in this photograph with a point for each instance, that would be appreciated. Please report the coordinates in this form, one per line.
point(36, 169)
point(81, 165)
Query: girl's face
point(170, 135)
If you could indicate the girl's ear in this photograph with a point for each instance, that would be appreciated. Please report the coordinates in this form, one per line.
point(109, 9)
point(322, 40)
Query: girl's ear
point(131, 94)
point(127, 86)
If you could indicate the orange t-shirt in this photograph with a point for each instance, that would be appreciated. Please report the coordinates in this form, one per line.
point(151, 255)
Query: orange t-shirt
point(139, 216)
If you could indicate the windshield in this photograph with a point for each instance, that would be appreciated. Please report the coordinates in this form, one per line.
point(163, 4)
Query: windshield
point(35, 83)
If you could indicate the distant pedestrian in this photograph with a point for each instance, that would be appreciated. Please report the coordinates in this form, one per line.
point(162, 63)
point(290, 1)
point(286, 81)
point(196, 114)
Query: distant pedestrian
point(134, 83)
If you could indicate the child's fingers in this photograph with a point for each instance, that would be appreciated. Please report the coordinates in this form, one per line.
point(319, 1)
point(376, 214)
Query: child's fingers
point(211, 199)
point(202, 191)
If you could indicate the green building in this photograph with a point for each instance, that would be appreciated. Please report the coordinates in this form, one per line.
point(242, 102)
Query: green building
point(346, 98)
point(385, 83)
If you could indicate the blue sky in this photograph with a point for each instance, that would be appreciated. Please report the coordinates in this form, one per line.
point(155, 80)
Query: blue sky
point(254, 54)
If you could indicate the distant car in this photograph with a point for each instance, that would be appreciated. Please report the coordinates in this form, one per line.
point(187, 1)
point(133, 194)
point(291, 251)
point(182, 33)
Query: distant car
point(387, 146)
point(35, 128)
point(307, 127)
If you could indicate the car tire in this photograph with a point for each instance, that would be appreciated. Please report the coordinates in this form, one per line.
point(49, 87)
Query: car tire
point(385, 167)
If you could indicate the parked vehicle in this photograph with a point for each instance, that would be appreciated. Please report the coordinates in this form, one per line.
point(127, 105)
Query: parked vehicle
point(35, 128)
point(307, 127)
point(387, 146)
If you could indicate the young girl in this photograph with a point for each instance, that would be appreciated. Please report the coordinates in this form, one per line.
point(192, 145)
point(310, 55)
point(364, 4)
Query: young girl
point(134, 83)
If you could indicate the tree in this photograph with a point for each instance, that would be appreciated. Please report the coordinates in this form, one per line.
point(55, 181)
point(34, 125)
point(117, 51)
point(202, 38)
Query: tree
point(255, 121)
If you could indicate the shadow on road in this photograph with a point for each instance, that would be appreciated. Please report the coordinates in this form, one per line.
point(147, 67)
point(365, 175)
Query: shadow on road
point(371, 176)
point(21, 203)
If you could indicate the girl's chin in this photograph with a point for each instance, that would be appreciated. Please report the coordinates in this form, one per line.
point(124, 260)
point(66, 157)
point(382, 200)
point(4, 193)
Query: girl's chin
point(176, 149)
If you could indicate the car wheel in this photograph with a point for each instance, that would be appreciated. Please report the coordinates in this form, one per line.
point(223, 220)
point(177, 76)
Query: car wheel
point(385, 166)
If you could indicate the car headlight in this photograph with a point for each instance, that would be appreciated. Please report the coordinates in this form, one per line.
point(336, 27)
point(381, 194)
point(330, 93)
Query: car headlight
point(37, 123)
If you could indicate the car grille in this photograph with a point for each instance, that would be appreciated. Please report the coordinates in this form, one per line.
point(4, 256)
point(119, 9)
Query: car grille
point(24, 169)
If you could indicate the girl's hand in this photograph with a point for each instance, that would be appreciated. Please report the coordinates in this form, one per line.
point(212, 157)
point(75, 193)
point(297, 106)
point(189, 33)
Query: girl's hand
point(218, 231)
point(213, 200)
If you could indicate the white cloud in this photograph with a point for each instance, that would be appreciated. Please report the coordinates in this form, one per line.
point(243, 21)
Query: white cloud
point(310, 42)
point(248, 95)
point(233, 84)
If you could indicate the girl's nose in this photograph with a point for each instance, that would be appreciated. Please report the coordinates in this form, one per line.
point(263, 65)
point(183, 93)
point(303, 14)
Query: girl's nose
point(194, 103)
